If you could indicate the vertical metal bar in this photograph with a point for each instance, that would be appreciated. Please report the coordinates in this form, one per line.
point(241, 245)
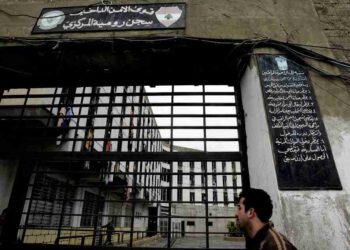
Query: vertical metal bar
point(97, 214)
point(171, 165)
point(242, 138)
point(107, 142)
point(63, 205)
point(134, 188)
point(141, 135)
point(205, 173)
point(109, 119)
point(122, 116)
point(138, 131)
point(17, 201)
point(90, 122)
point(120, 148)
point(36, 168)
point(76, 133)
point(94, 103)
point(30, 201)
point(24, 104)
point(138, 135)
point(78, 120)
point(70, 167)
point(50, 113)
point(2, 90)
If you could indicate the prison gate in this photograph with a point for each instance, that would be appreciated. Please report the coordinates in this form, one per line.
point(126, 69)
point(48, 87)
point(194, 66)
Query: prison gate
point(163, 164)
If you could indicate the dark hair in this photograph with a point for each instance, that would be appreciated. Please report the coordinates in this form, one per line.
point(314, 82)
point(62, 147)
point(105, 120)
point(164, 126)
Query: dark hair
point(260, 201)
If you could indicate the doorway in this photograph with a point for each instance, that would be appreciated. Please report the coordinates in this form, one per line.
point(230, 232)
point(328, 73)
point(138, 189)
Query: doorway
point(152, 221)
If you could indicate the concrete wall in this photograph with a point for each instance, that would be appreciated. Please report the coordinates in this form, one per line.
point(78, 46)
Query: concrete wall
point(311, 219)
point(334, 17)
point(278, 19)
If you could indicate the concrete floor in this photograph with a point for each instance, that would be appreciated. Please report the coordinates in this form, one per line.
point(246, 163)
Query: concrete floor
point(197, 242)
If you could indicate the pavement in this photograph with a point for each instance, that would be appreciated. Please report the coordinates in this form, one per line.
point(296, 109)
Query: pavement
point(197, 242)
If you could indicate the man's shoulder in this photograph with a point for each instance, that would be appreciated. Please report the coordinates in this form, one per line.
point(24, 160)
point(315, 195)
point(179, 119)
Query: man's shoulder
point(276, 241)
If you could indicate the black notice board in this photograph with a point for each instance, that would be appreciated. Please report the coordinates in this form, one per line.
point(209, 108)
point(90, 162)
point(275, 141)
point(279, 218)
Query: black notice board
point(302, 153)
point(111, 18)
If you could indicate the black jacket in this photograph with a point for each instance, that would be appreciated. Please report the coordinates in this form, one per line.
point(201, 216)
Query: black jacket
point(267, 238)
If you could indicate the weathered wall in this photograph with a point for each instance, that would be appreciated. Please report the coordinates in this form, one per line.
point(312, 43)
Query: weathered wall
point(278, 19)
point(334, 17)
point(311, 219)
point(260, 159)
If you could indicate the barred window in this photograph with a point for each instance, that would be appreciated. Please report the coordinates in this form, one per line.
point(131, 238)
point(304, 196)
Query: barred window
point(92, 209)
point(47, 202)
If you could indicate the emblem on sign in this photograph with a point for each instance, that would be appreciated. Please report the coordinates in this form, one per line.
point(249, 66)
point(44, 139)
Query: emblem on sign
point(168, 15)
point(51, 19)
point(108, 17)
point(281, 63)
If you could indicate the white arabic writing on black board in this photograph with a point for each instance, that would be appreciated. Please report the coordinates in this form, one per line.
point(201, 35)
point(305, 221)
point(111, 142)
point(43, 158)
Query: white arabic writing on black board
point(92, 22)
point(112, 10)
point(292, 113)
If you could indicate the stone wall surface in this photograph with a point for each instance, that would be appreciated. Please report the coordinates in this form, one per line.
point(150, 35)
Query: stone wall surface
point(320, 22)
point(277, 19)
point(334, 16)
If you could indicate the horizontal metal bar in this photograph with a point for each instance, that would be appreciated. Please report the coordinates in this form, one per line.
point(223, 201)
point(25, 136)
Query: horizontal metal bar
point(53, 116)
point(42, 246)
point(112, 186)
point(106, 104)
point(124, 231)
point(106, 94)
point(90, 172)
point(129, 216)
point(197, 203)
point(45, 138)
point(137, 127)
point(125, 156)
point(130, 200)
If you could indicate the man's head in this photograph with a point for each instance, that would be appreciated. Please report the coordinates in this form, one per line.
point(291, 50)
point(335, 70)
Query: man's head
point(255, 205)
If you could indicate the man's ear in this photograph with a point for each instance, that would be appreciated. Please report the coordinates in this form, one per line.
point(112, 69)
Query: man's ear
point(251, 213)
